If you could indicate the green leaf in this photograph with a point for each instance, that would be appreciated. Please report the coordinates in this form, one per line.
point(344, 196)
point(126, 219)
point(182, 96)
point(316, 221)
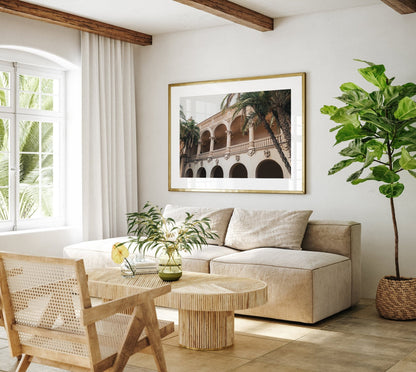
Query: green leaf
point(348, 132)
point(407, 161)
point(341, 165)
point(392, 190)
point(351, 86)
point(391, 94)
point(335, 128)
point(361, 180)
point(355, 148)
point(361, 60)
point(355, 175)
point(328, 110)
point(409, 89)
point(413, 173)
point(377, 147)
point(406, 109)
point(342, 116)
point(384, 174)
point(380, 122)
point(375, 75)
point(396, 165)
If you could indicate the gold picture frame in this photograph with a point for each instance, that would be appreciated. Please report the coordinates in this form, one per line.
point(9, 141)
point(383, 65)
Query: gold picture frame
point(238, 135)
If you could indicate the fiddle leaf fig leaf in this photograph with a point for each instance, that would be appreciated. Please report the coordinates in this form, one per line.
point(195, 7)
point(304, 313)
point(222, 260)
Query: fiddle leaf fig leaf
point(328, 110)
point(351, 86)
point(407, 161)
point(392, 190)
point(341, 165)
point(406, 109)
point(341, 116)
point(355, 148)
point(413, 173)
point(349, 132)
point(384, 174)
point(375, 75)
point(355, 175)
point(361, 60)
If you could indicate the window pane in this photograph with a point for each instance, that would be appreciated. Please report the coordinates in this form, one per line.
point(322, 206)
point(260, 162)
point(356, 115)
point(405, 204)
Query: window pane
point(4, 169)
point(47, 85)
point(4, 135)
point(47, 170)
point(4, 79)
point(29, 83)
point(29, 136)
point(47, 137)
point(47, 201)
point(47, 103)
point(4, 203)
point(29, 169)
point(29, 100)
point(28, 201)
point(4, 98)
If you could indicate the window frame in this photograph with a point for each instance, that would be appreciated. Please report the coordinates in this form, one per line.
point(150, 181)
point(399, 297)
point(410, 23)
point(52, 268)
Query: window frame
point(16, 115)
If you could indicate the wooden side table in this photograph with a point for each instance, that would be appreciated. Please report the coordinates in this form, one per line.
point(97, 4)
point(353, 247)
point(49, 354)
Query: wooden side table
point(206, 302)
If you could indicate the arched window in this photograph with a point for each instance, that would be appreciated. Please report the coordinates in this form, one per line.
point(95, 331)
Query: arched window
point(189, 173)
point(238, 171)
point(237, 136)
point(269, 169)
point(201, 173)
point(220, 134)
point(205, 142)
point(217, 172)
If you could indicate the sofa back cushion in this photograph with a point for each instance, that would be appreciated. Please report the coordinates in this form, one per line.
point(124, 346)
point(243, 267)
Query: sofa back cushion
point(219, 218)
point(250, 229)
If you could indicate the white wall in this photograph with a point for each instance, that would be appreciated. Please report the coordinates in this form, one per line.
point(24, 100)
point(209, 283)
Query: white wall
point(323, 45)
point(63, 45)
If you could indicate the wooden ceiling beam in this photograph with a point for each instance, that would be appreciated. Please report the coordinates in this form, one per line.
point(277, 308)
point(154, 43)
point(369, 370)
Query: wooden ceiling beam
point(60, 18)
point(232, 12)
point(402, 6)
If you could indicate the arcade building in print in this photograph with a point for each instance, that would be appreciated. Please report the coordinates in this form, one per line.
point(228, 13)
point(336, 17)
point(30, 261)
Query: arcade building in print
point(228, 149)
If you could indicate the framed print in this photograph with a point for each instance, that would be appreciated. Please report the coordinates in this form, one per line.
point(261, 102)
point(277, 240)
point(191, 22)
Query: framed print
point(238, 135)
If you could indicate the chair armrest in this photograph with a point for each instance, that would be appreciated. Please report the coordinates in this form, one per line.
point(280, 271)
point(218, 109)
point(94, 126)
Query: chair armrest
point(99, 312)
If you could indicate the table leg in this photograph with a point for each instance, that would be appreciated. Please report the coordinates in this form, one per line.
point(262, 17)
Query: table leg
point(206, 330)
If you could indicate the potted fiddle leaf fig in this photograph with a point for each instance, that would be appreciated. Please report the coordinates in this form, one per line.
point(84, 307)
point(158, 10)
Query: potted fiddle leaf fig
point(149, 230)
point(378, 132)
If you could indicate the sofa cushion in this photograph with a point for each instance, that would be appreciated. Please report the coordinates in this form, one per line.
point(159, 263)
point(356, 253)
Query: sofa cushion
point(293, 259)
point(250, 229)
point(219, 218)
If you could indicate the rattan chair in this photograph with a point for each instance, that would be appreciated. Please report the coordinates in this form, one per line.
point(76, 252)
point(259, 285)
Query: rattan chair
point(49, 318)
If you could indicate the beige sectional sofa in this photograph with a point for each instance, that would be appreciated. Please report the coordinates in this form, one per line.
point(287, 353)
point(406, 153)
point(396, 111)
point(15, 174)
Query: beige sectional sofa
point(312, 268)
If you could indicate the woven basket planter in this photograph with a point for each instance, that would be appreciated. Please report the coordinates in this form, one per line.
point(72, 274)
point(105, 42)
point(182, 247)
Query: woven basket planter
point(396, 299)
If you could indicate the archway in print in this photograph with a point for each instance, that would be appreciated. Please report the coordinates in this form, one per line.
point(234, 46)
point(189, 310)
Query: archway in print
point(220, 135)
point(205, 142)
point(269, 169)
point(237, 136)
point(201, 173)
point(217, 172)
point(189, 173)
point(238, 171)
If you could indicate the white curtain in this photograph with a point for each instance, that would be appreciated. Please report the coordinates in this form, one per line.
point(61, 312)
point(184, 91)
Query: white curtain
point(108, 136)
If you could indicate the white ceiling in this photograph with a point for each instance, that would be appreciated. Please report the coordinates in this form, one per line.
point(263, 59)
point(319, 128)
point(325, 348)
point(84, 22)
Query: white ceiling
point(164, 16)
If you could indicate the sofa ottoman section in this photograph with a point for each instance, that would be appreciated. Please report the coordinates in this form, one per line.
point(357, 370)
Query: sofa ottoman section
point(304, 286)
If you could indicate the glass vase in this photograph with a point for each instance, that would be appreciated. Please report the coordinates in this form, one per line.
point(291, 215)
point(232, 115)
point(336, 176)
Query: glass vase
point(170, 266)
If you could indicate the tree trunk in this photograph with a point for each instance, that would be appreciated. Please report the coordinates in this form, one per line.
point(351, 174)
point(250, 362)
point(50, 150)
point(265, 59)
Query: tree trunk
point(284, 123)
point(396, 239)
point(275, 143)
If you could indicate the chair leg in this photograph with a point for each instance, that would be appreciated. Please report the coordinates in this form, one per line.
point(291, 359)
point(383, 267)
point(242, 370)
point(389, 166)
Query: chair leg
point(24, 363)
point(153, 333)
point(135, 329)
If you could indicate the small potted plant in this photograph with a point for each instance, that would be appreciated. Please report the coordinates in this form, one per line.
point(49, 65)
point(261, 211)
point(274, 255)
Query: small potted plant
point(379, 131)
point(149, 230)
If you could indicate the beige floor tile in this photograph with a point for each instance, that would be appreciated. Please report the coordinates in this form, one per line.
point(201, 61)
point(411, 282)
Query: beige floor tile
point(245, 346)
point(313, 357)
point(403, 366)
point(270, 328)
point(411, 357)
point(256, 366)
point(183, 360)
point(395, 349)
point(375, 327)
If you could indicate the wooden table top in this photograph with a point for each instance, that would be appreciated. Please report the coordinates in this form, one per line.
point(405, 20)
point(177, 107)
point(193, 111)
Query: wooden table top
point(193, 291)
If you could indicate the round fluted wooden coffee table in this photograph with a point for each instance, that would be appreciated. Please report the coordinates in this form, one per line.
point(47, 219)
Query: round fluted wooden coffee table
point(206, 302)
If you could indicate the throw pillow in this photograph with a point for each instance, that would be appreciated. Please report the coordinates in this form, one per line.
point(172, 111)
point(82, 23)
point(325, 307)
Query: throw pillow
point(254, 229)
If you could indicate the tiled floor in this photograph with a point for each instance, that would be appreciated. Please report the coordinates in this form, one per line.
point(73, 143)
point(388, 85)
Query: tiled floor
point(354, 340)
